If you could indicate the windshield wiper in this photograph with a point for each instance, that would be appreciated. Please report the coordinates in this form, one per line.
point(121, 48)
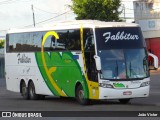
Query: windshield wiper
point(131, 70)
point(116, 68)
point(145, 64)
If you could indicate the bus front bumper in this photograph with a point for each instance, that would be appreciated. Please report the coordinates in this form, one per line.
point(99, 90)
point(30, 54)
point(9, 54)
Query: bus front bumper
point(111, 93)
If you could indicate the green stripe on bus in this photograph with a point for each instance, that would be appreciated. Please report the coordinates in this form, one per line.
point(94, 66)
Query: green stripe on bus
point(67, 72)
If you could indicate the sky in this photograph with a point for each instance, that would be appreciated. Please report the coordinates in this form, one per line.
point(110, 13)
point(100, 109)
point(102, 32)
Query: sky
point(18, 13)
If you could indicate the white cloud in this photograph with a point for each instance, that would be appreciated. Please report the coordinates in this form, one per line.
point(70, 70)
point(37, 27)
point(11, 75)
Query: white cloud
point(19, 13)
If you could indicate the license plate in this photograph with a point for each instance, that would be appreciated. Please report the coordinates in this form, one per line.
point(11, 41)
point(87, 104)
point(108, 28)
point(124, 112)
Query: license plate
point(127, 93)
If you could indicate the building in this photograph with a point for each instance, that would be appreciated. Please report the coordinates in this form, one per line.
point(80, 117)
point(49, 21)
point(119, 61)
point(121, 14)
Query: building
point(147, 15)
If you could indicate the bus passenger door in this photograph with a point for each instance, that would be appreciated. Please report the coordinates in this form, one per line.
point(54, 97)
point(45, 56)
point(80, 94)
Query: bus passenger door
point(92, 74)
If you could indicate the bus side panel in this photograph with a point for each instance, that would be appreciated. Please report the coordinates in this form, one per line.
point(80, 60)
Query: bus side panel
point(61, 71)
point(23, 66)
point(12, 82)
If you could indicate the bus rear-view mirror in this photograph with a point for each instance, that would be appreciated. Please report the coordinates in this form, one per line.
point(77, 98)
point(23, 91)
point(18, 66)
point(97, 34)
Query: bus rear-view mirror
point(98, 62)
point(155, 60)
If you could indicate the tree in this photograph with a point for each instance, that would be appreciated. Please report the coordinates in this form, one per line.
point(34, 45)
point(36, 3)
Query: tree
point(1, 44)
point(104, 10)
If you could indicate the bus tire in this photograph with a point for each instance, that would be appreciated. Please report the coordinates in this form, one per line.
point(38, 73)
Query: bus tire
point(24, 91)
point(124, 101)
point(41, 97)
point(32, 93)
point(80, 96)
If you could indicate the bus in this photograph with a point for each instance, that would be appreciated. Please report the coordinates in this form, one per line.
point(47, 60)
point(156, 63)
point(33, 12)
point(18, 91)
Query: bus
point(84, 59)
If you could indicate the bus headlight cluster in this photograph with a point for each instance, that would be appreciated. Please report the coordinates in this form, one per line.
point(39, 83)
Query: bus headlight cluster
point(104, 85)
point(144, 84)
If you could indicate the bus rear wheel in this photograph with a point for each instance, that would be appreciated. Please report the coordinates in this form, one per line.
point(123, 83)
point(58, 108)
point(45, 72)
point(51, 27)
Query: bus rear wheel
point(32, 93)
point(124, 101)
point(80, 96)
point(24, 91)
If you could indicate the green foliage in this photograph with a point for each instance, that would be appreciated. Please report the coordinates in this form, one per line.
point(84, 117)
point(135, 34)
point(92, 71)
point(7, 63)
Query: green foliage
point(2, 43)
point(104, 10)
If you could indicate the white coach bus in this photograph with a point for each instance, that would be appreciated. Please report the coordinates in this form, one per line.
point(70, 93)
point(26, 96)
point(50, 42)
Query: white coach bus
point(83, 59)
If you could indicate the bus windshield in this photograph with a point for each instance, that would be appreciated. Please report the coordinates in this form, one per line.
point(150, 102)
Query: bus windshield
point(124, 64)
point(123, 53)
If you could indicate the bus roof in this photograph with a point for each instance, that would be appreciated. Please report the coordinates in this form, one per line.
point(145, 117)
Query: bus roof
point(73, 25)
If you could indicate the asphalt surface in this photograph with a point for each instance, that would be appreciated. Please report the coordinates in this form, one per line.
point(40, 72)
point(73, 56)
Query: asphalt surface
point(10, 101)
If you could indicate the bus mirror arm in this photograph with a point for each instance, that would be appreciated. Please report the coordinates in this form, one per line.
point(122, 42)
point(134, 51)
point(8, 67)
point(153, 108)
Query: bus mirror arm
point(155, 60)
point(99, 71)
point(98, 62)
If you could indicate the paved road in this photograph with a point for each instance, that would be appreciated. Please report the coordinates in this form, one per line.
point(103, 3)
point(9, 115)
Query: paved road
point(10, 101)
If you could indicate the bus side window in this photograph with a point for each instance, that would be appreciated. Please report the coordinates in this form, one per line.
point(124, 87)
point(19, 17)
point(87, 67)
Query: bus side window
point(8, 47)
point(68, 40)
point(89, 43)
point(72, 40)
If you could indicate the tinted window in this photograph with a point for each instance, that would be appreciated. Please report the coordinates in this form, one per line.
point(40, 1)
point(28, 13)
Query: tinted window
point(25, 42)
point(68, 40)
point(31, 41)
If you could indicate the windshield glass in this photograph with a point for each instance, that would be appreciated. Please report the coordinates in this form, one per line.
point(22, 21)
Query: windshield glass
point(124, 63)
point(123, 52)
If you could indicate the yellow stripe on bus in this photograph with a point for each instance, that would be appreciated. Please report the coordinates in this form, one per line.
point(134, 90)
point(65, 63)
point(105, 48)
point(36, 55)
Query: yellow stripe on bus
point(92, 86)
point(53, 69)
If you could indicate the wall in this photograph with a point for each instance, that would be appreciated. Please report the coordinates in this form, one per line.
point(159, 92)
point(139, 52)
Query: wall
point(147, 15)
point(154, 45)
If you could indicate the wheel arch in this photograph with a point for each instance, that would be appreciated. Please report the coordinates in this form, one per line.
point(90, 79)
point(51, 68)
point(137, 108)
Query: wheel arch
point(30, 80)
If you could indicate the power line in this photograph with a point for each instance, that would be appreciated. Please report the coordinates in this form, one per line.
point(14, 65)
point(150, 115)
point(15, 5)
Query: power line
point(129, 8)
point(43, 20)
point(3, 30)
point(5, 1)
point(126, 1)
point(53, 17)
point(44, 10)
point(48, 19)
point(11, 1)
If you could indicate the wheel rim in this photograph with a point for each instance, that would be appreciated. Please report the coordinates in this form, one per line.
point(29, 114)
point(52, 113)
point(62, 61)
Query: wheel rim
point(32, 92)
point(81, 95)
point(24, 91)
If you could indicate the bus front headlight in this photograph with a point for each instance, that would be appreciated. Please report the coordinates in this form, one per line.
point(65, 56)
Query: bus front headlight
point(104, 85)
point(144, 84)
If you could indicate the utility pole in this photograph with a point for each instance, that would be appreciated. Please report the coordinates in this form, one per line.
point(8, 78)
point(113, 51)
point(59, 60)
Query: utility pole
point(33, 16)
point(124, 10)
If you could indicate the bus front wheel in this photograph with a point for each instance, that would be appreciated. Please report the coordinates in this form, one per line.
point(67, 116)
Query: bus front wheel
point(80, 96)
point(32, 93)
